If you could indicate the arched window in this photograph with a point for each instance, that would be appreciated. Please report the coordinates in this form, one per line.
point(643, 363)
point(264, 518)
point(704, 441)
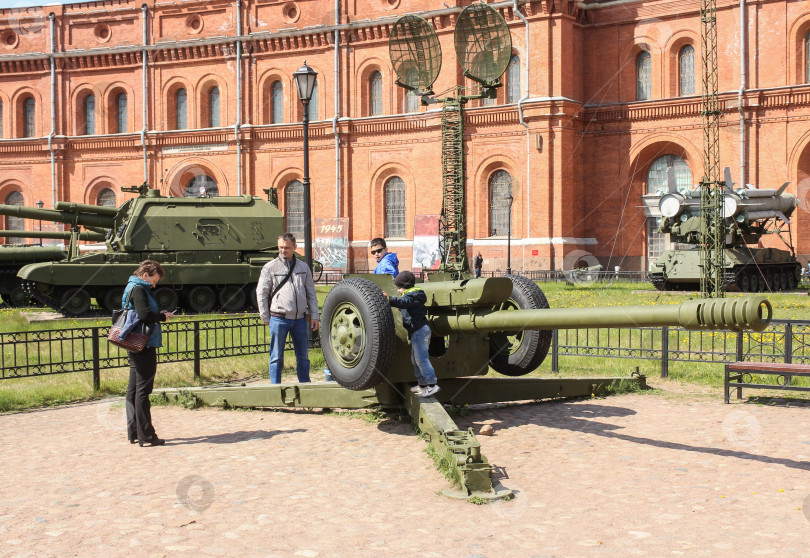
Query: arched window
point(513, 80)
point(29, 110)
point(313, 103)
point(106, 198)
point(294, 208)
point(181, 117)
point(277, 103)
point(1, 119)
point(89, 115)
point(121, 124)
point(213, 107)
point(643, 76)
point(201, 186)
point(411, 101)
point(394, 207)
point(807, 57)
point(15, 223)
point(489, 101)
point(500, 188)
point(686, 67)
point(375, 93)
point(658, 175)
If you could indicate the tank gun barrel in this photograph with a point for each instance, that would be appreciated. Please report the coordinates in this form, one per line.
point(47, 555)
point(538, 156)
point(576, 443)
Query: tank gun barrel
point(733, 314)
point(65, 235)
point(75, 214)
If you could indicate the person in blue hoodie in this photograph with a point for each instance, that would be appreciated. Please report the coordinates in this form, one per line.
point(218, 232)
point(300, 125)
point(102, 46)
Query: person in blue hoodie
point(412, 305)
point(143, 365)
point(387, 262)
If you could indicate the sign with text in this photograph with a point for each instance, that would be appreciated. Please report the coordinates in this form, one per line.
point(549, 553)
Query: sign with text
point(426, 253)
point(331, 243)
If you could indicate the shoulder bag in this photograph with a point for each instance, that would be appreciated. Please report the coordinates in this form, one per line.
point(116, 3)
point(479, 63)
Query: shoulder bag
point(127, 330)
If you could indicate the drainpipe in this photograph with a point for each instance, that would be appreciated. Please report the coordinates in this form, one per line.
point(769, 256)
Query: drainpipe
point(238, 97)
point(516, 10)
point(743, 86)
point(337, 109)
point(51, 17)
point(144, 55)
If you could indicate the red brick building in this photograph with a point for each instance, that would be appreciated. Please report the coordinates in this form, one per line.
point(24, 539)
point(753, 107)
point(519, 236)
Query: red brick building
point(598, 100)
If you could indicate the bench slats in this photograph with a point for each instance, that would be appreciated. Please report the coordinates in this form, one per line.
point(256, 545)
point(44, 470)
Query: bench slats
point(765, 367)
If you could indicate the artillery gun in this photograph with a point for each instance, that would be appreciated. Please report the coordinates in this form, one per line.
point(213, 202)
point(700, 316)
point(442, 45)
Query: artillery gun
point(14, 256)
point(750, 215)
point(212, 250)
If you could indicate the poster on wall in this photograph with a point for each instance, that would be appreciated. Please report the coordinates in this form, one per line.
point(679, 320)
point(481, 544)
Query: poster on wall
point(331, 243)
point(426, 253)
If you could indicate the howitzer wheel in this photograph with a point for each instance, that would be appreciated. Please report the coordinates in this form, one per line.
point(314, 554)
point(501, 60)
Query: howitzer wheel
point(516, 354)
point(357, 333)
point(202, 299)
point(75, 301)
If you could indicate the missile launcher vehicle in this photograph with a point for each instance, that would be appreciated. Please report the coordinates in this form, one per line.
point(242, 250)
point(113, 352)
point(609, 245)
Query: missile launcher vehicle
point(212, 250)
point(750, 214)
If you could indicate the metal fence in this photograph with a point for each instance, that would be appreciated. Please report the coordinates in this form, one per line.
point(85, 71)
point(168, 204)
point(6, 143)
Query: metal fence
point(36, 353)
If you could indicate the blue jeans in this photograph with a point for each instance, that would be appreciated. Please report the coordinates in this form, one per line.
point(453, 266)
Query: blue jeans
point(279, 328)
point(422, 369)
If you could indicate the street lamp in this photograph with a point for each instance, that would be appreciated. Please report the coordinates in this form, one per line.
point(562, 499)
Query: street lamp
point(305, 78)
point(40, 205)
point(509, 201)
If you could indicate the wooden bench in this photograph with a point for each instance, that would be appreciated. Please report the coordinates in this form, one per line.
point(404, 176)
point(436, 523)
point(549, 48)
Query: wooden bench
point(736, 373)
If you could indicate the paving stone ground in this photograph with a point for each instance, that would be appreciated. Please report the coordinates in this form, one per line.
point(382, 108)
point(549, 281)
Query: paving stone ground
point(630, 475)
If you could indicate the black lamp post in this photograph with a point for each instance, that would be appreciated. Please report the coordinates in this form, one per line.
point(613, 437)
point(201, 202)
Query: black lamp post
point(305, 78)
point(40, 205)
point(509, 201)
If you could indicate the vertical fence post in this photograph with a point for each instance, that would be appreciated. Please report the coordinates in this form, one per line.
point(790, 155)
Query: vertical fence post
point(196, 350)
point(664, 351)
point(739, 346)
point(788, 343)
point(96, 361)
point(555, 351)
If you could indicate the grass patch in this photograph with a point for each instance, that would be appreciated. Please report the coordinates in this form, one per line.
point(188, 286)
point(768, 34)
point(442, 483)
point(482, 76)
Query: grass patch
point(442, 463)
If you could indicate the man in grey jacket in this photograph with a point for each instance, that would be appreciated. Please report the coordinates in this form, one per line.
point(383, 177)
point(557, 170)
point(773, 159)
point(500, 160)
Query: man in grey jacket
point(285, 295)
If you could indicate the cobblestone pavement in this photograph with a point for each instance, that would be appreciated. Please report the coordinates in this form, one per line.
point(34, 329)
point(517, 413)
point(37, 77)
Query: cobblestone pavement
point(630, 475)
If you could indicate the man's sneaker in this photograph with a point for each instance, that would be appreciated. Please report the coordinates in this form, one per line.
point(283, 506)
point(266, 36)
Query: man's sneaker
point(417, 389)
point(429, 390)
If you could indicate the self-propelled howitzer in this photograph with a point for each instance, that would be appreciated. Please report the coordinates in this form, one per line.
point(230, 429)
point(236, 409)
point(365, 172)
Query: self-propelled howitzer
point(502, 322)
point(212, 250)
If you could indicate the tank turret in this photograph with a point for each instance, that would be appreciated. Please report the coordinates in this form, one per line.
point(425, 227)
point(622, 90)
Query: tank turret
point(502, 322)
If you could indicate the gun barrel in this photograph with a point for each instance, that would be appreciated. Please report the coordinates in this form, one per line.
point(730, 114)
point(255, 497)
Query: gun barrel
point(84, 235)
point(85, 208)
point(79, 217)
point(736, 314)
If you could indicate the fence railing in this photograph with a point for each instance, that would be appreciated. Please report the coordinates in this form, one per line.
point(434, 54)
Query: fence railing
point(36, 353)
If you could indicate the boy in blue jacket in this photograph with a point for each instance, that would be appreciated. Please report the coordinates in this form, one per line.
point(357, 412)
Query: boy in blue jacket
point(412, 304)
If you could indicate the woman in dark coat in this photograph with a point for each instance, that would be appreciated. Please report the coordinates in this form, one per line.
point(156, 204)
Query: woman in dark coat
point(143, 365)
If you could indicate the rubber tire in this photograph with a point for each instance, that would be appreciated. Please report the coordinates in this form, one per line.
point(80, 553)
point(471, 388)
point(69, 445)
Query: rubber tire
point(166, 298)
point(18, 298)
point(232, 299)
point(534, 345)
point(75, 301)
point(745, 283)
point(201, 299)
point(378, 331)
point(112, 299)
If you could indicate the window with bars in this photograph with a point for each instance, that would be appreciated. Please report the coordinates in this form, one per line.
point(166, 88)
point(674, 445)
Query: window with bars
point(643, 76)
point(15, 223)
point(500, 188)
point(89, 115)
point(656, 242)
point(394, 207)
point(106, 198)
point(513, 80)
point(213, 107)
point(375, 93)
point(276, 103)
point(201, 186)
point(658, 174)
point(29, 113)
point(313, 103)
point(686, 66)
point(121, 103)
point(294, 208)
point(181, 108)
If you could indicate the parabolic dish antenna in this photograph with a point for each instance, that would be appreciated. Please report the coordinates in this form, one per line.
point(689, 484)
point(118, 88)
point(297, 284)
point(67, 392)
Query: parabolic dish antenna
point(483, 43)
point(415, 52)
